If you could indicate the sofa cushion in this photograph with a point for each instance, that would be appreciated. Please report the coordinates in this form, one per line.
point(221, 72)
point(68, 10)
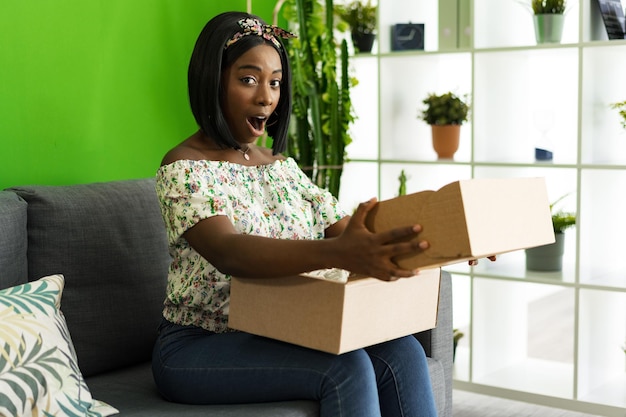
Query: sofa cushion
point(133, 392)
point(108, 240)
point(13, 239)
point(39, 370)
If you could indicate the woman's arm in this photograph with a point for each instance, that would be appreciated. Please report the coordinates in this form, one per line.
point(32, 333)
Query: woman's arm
point(350, 246)
point(337, 228)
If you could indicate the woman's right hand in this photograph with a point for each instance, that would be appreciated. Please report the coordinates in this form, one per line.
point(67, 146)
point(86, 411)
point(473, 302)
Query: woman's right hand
point(371, 254)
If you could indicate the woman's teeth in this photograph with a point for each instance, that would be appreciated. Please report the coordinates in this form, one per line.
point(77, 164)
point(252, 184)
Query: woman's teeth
point(257, 122)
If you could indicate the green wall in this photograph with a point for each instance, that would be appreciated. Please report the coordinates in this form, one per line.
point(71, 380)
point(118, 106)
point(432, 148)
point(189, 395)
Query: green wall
point(95, 90)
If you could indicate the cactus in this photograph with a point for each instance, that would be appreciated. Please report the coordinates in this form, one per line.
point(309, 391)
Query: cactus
point(321, 99)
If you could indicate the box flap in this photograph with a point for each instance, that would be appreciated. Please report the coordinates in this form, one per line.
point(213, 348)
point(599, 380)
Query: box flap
point(518, 218)
point(470, 219)
point(441, 215)
point(444, 224)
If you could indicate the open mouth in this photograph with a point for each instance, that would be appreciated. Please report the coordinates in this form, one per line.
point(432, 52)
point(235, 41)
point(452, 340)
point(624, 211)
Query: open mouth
point(257, 123)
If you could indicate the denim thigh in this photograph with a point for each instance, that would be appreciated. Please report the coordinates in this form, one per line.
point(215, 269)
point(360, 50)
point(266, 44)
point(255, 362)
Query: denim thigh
point(195, 366)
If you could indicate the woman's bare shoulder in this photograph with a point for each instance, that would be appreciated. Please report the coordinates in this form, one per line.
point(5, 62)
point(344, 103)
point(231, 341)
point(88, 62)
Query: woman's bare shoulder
point(180, 152)
point(190, 149)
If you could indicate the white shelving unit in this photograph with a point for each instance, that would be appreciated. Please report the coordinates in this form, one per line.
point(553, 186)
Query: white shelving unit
point(551, 338)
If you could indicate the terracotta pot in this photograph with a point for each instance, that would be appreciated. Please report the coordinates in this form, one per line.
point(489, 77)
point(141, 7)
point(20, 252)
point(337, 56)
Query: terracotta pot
point(446, 140)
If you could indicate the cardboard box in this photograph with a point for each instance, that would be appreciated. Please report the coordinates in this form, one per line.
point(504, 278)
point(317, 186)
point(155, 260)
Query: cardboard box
point(463, 220)
point(331, 316)
point(470, 219)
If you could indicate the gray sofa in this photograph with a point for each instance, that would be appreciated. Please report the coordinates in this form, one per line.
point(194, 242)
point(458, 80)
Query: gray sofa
point(108, 240)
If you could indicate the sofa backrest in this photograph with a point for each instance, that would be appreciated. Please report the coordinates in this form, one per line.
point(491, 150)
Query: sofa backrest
point(13, 240)
point(108, 240)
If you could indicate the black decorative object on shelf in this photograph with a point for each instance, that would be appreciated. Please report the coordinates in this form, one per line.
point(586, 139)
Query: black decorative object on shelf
point(613, 17)
point(407, 36)
point(543, 155)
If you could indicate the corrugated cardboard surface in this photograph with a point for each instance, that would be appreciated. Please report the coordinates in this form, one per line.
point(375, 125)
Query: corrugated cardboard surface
point(335, 317)
point(470, 219)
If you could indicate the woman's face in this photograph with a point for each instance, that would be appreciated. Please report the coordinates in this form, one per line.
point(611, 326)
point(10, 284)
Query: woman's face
point(252, 90)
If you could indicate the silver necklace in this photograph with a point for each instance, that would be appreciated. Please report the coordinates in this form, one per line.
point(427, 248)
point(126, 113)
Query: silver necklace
point(245, 153)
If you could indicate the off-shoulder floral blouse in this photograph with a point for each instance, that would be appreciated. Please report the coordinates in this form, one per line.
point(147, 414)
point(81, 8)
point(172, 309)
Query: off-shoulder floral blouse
point(275, 200)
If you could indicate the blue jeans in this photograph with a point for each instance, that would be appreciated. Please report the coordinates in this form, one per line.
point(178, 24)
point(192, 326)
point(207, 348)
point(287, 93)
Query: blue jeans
point(195, 366)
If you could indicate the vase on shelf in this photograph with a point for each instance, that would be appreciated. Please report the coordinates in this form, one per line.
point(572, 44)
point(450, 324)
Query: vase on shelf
point(547, 257)
point(548, 27)
point(363, 42)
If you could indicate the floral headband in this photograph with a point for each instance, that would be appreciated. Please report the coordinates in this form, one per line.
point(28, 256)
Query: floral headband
point(252, 26)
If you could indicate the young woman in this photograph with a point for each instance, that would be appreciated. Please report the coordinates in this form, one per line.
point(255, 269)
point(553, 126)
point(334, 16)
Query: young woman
point(234, 209)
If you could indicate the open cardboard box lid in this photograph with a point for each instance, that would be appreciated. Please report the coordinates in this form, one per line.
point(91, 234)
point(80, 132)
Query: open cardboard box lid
point(470, 219)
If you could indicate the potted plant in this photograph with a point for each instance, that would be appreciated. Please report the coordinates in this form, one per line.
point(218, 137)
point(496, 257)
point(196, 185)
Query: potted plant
point(445, 114)
point(550, 257)
point(402, 188)
point(621, 108)
point(548, 17)
point(457, 335)
point(322, 108)
point(361, 16)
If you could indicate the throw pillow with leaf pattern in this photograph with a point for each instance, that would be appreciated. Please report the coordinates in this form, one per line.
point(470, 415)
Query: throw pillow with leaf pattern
point(39, 374)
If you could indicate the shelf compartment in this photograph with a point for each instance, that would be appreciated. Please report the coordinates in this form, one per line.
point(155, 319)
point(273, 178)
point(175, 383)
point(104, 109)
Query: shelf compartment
point(405, 81)
point(603, 137)
point(362, 178)
point(510, 23)
point(419, 177)
point(364, 97)
point(602, 337)
point(602, 231)
point(527, 97)
point(523, 336)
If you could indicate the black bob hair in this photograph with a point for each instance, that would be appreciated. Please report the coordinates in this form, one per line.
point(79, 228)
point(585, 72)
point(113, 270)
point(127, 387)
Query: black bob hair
point(208, 62)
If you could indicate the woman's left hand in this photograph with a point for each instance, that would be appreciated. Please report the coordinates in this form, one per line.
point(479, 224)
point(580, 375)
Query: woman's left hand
point(473, 262)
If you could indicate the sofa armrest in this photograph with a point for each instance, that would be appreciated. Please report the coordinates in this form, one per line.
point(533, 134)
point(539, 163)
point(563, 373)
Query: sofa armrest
point(438, 342)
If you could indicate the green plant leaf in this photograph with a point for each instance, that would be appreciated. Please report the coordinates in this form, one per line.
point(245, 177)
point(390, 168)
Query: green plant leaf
point(6, 402)
point(25, 299)
point(29, 365)
point(444, 109)
point(321, 94)
point(79, 408)
point(621, 108)
point(548, 6)
point(561, 220)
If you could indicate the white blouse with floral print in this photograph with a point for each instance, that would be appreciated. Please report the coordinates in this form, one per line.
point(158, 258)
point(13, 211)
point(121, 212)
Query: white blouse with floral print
point(276, 200)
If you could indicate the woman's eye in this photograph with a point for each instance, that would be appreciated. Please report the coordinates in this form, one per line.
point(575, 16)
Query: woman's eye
point(276, 83)
point(248, 80)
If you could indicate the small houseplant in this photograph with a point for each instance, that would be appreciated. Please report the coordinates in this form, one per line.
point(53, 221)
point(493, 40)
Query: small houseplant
point(550, 257)
point(548, 6)
point(444, 109)
point(457, 335)
point(621, 108)
point(445, 114)
point(548, 18)
point(361, 16)
point(402, 188)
